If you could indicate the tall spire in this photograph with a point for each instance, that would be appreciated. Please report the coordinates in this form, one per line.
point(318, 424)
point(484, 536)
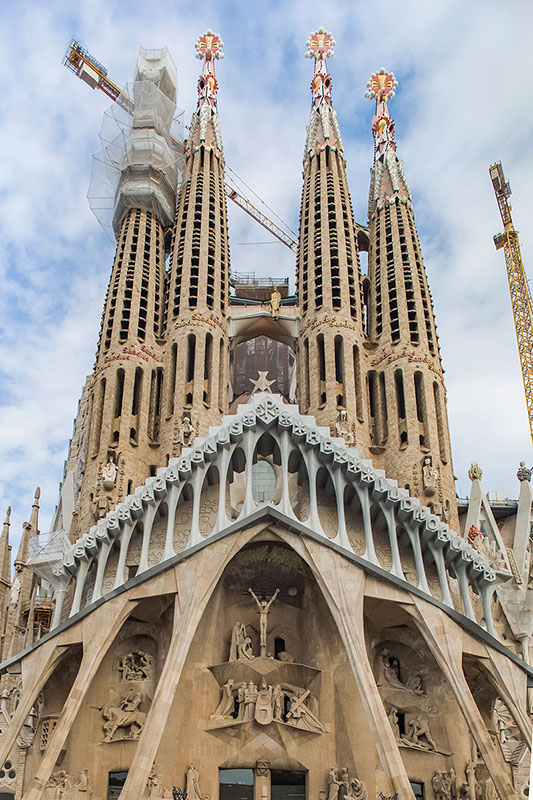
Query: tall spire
point(29, 529)
point(387, 172)
point(409, 426)
point(208, 47)
point(328, 270)
point(5, 566)
point(323, 126)
point(197, 286)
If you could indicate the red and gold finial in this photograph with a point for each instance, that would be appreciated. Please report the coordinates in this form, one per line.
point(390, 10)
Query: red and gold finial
point(381, 86)
point(320, 45)
point(209, 46)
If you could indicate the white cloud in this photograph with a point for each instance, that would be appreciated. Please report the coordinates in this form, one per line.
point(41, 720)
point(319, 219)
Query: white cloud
point(461, 104)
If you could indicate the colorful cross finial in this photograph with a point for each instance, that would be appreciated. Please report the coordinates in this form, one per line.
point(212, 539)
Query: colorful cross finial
point(381, 86)
point(209, 46)
point(320, 45)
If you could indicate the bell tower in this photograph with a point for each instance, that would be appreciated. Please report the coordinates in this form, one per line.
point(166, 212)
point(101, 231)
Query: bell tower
point(409, 436)
point(331, 363)
point(197, 289)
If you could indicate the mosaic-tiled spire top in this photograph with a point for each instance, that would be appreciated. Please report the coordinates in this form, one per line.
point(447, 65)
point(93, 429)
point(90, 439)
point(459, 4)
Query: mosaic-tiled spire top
point(208, 48)
point(323, 127)
point(381, 88)
point(388, 177)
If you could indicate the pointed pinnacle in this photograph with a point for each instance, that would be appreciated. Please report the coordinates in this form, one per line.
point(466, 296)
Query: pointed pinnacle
point(8, 517)
point(34, 519)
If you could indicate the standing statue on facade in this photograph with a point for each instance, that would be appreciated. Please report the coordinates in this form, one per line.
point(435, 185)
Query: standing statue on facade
point(263, 607)
point(430, 476)
point(192, 784)
point(275, 303)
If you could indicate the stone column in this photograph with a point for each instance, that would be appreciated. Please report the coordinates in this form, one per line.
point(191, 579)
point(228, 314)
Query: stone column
point(262, 780)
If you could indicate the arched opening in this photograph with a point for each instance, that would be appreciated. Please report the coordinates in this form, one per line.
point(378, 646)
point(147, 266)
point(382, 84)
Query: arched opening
point(236, 483)
point(353, 514)
point(381, 537)
point(262, 354)
point(327, 503)
point(209, 501)
point(299, 485)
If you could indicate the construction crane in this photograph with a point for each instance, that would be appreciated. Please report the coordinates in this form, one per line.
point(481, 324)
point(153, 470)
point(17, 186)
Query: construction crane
point(518, 284)
point(79, 61)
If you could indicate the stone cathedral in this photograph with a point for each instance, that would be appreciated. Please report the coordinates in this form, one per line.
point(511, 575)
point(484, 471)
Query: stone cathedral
point(259, 583)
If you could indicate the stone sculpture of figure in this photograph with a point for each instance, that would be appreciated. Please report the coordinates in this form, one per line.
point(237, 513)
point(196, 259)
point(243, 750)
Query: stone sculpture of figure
point(301, 716)
point(15, 592)
point(109, 474)
point(343, 430)
point(245, 649)
point(475, 473)
point(84, 790)
point(333, 784)
point(278, 698)
point(414, 683)
point(227, 703)
point(275, 303)
point(135, 666)
point(390, 673)
point(59, 786)
point(357, 790)
point(344, 788)
point(187, 430)
point(192, 783)
point(429, 477)
point(154, 787)
point(4, 705)
point(241, 701)
point(238, 636)
point(126, 715)
point(263, 607)
point(263, 703)
point(419, 734)
point(392, 716)
point(250, 699)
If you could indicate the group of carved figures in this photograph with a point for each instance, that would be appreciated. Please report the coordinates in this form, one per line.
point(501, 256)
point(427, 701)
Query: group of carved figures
point(244, 702)
point(241, 643)
point(61, 787)
point(446, 787)
point(342, 787)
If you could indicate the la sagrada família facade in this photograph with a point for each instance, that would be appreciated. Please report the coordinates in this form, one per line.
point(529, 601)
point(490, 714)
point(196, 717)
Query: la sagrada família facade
point(272, 591)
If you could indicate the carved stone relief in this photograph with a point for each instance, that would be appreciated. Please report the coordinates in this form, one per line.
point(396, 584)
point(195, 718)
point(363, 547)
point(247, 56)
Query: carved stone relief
point(125, 720)
point(135, 666)
point(342, 787)
point(60, 786)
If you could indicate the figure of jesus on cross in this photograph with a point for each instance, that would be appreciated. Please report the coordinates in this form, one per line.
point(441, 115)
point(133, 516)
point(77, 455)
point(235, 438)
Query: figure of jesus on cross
point(263, 607)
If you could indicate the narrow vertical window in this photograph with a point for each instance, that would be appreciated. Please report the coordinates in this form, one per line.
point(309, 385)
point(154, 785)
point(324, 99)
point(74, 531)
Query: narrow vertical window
point(99, 417)
point(359, 400)
point(307, 399)
point(119, 392)
point(172, 379)
point(191, 356)
point(400, 405)
point(339, 369)
point(137, 389)
point(208, 369)
point(383, 415)
point(440, 422)
point(221, 376)
point(321, 357)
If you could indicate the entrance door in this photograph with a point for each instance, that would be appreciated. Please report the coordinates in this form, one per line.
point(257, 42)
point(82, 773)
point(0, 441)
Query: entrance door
point(287, 785)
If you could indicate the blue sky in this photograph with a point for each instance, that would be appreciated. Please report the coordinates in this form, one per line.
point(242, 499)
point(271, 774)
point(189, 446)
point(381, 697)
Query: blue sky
point(462, 102)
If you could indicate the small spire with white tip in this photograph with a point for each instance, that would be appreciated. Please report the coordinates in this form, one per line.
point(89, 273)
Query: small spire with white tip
point(320, 46)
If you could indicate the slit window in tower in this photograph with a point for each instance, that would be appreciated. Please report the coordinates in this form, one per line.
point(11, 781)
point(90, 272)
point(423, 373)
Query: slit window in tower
point(307, 400)
point(372, 405)
point(440, 422)
point(156, 389)
point(383, 415)
point(191, 356)
point(359, 401)
point(172, 381)
point(339, 369)
point(99, 418)
point(221, 373)
point(419, 395)
point(119, 392)
point(208, 369)
point(400, 404)
point(137, 388)
point(321, 367)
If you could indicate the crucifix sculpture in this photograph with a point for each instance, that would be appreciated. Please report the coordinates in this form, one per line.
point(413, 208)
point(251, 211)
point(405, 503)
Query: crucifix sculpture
point(263, 607)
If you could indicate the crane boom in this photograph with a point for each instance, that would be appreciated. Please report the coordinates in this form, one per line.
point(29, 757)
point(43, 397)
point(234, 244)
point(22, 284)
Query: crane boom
point(518, 285)
point(79, 61)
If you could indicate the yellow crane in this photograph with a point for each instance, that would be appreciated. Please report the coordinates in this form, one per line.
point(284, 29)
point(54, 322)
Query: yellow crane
point(518, 284)
point(79, 61)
